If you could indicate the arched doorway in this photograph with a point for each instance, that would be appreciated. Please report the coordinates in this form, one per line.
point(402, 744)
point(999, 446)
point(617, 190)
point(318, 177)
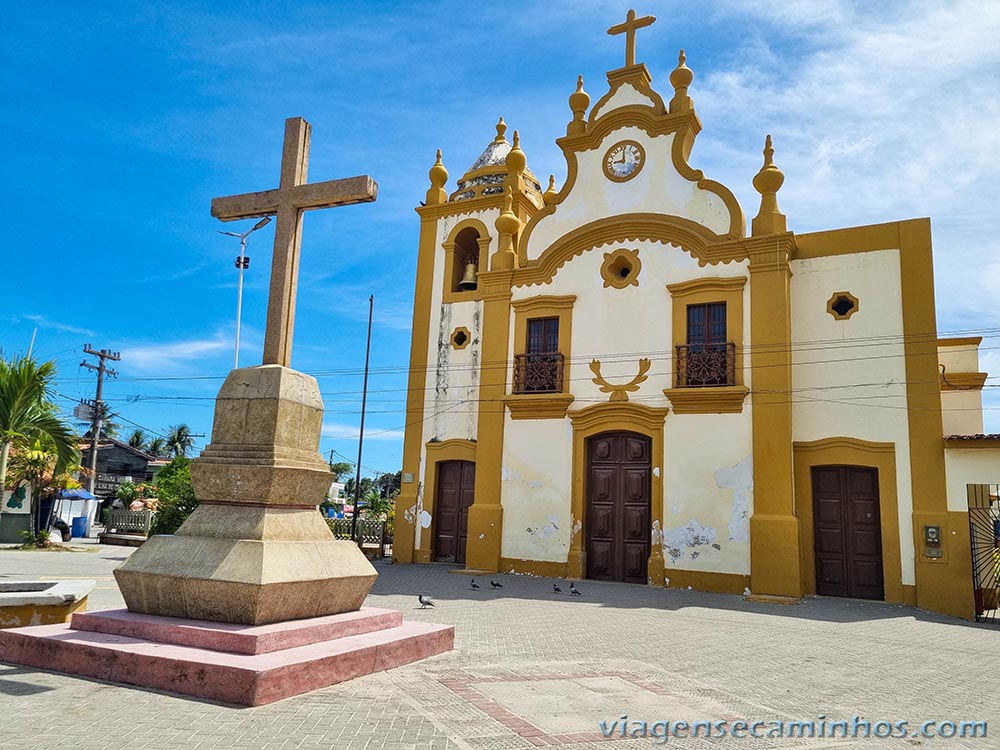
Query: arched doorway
point(618, 506)
point(456, 484)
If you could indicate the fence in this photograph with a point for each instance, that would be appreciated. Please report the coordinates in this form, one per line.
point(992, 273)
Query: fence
point(371, 532)
point(126, 521)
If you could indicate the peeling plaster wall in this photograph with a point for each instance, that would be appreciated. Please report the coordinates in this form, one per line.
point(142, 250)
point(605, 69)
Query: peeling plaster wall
point(535, 489)
point(706, 470)
point(830, 353)
point(452, 381)
point(707, 492)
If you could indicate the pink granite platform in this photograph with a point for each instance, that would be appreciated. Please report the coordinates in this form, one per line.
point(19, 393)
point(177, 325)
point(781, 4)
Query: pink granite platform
point(248, 665)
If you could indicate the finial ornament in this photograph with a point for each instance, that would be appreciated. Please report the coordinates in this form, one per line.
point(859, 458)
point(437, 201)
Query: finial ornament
point(767, 182)
point(516, 161)
point(438, 176)
point(680, 79)
point(501, 132)
point(579, 100)
point(628, 29)
point(550, 195)
point(507, 225)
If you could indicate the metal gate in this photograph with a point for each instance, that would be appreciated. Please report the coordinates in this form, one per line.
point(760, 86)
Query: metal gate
point(984, 528)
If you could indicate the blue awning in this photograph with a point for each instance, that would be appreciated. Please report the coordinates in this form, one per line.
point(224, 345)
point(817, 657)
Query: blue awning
point(80, 493)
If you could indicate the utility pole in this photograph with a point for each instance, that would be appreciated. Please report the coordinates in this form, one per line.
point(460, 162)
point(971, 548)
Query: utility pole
point(361, 434)
point(96, 417)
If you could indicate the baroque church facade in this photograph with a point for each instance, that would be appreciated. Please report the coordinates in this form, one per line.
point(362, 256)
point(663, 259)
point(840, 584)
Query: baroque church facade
point(618, 379)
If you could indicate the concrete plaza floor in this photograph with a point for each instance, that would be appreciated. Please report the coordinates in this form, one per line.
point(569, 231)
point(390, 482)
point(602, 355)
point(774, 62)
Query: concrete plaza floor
point(533, 668)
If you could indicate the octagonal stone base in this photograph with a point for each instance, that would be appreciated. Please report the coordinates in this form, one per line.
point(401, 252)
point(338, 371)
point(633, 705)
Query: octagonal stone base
point(257, 550)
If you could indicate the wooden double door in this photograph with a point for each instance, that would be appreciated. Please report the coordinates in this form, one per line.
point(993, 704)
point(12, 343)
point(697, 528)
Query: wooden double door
point(456, 484)
point(618, 497)
point(847, 532)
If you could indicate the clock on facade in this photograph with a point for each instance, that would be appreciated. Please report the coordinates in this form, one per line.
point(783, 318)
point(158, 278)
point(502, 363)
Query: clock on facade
point(623, 161)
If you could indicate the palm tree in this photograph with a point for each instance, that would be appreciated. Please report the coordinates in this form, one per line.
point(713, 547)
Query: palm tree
point(156, 447)
point(137, 440)
point(179, 440)
point(26, 413)
point(34, 466)
point(109, 428)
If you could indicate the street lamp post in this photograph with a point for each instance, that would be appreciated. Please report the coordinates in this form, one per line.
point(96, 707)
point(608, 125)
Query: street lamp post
point(242, 263)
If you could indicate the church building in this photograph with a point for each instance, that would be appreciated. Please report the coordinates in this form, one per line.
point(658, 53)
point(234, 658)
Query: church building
point(620, 378)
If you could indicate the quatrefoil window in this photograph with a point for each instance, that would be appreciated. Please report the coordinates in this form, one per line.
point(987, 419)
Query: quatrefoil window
point(842, 305)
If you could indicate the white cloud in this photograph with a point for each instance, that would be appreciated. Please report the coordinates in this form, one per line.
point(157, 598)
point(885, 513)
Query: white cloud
point(43, 322)
point(170, 358)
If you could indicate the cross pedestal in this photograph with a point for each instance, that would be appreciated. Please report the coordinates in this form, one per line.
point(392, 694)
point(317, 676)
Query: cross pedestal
point(252, 600)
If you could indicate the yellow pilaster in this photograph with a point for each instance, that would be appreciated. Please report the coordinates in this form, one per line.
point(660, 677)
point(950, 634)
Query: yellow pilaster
point(404, 547)
point(774, 529)
point(486, 514)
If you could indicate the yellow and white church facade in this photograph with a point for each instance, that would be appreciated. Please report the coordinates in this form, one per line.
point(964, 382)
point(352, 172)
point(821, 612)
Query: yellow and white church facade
point(618, 379)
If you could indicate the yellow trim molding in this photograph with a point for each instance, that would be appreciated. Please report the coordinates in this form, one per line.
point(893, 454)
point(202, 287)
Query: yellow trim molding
point(545, 306)
point(621, 268)
point(710, 400)
point(541, 568)
point(847, 451)
point(728, 289)
point(454, 449)
point(855, 305)
point(963, 381)
point(703, 580)
point(453, 268)
point(615, 416)
point(693, 238)
point(538, 405)
point(963, 341)
point(465, 335)
point(985, 443)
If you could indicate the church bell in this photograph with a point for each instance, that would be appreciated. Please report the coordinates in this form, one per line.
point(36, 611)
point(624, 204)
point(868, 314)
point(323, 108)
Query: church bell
point(470, 279)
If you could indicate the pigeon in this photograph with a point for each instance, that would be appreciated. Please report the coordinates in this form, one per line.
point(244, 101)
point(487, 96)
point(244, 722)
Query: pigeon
point(556, 589)
point(424, 601)
point(573, 590)
point(474, 585)
point(496, 585)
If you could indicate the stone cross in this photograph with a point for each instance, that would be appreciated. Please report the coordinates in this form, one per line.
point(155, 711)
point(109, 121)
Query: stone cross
point(293, 196)
point(628, 29)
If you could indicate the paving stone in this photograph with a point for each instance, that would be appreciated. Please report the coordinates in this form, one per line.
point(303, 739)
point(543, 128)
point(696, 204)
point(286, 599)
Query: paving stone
point(676, 648)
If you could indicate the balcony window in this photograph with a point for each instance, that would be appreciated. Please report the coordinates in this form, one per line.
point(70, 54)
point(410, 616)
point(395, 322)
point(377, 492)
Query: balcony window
point(540, 368)
point(708, 358)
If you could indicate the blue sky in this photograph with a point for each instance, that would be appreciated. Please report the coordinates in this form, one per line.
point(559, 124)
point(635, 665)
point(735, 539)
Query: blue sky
point(121, 121)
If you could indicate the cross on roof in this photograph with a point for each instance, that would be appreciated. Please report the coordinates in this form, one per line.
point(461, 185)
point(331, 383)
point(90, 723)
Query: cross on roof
point(628, 29)
point(293, 196)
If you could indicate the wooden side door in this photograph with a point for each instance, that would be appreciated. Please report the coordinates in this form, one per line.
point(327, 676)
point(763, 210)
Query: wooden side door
point(618, 507)
point(456, 483)
point(847, 532)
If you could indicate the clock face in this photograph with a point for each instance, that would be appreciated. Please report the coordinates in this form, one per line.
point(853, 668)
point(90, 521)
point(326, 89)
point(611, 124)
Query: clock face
point(623, 161)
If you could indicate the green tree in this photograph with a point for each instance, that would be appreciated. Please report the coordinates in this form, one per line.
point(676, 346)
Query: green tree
point(138, 440)
point(156, 447)
point(176, 495)
point(179, 440)
point(33, 465)
point(374, 505)
point(109, 427)
point(27, 413)
point(340, 469)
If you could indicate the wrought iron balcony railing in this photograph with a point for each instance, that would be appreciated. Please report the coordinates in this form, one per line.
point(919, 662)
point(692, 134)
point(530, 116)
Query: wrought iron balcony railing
point(538, 373)
point(706, 365)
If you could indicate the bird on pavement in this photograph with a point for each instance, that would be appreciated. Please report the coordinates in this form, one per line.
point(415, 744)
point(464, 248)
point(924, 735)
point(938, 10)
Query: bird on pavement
point(474, 585)
point(424, 601)
point(496, 585)
point(556, 589)
point(573, 590)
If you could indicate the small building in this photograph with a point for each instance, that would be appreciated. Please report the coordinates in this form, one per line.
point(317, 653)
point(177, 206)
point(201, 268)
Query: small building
point(117, 462)
point(616, 378)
